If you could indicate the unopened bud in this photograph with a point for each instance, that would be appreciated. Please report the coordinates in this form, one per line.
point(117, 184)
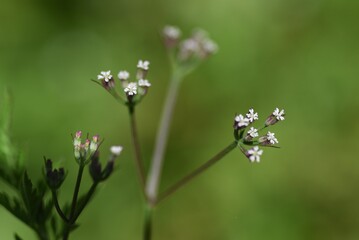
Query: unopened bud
point(94, 143)
point(171, 35)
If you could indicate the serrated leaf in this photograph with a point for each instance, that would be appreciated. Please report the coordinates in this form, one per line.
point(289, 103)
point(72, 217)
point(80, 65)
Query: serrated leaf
point(33, 199)
point(14, 207)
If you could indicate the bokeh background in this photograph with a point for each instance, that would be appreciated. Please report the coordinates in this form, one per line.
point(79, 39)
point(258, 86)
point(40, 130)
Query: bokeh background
point(299, 55)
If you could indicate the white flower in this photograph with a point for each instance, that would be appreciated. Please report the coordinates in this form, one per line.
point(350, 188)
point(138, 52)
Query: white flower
point(143, 64)
point(279, 114)
point(116, 150)
point(271, 138)
point(171, 32)
point(106, 75)
point(131, 88)
point(241, 121)
point(254, 154)
point(209, 46)
point(190, 45)
point(251, 115)
point(123, 75)
point(253, 132)
point(144, 83)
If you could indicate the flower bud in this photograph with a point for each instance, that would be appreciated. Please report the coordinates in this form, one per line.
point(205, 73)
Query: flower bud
point(97, 173)
point(95, 167)
point(94, 144)
point(171, 35)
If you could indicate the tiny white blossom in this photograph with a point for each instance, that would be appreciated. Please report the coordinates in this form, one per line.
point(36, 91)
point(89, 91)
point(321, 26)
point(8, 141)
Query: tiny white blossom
point(131, 88)
point(116, 150)
point(251, 115)
point(123, 75)
point(106, 75)
point(144, 83)
point(241, 121)
point(209, 46)
point(279, 114)
point(271, 138)
point(143, 64)
point(254, 154)
point(171, 32)
point(190, 45)
point(253, 132)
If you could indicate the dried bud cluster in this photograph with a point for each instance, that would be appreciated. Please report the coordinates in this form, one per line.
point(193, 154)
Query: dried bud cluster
point(97, 173)
point(133, 91)
point(241, 122)
point(197, 46)
point(54, 177)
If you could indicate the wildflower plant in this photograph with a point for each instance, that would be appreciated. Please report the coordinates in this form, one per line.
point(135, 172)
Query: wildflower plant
point(185, 55)
point(38, 206)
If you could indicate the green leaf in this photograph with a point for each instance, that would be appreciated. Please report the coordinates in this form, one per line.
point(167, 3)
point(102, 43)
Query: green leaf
point(34, 199)
point(15, 208)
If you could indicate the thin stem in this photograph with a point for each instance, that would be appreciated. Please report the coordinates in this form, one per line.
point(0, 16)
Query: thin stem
point(147, 228)
point(161, 139)
point(74, 202)
point(135, 142)
point(196, 172)
point(87, 199)
point(57, 206)
point(76, 192)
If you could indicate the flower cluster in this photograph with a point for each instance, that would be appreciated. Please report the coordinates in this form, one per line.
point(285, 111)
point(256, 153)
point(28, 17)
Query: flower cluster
point(84, 150)
point(249, 138)
point(198, 46)
point(133, 91)
point(88, 152)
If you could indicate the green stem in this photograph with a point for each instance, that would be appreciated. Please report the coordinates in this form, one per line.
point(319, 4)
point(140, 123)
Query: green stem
point(197, 171)
point(137, 149)
point(74, 202)
point(57, 206)
point(76, 192)
point(147, 228)
point(87, 199)
point(161, 139)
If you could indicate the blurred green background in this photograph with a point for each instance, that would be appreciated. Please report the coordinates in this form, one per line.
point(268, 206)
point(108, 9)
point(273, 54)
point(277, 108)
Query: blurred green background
point(299, 55)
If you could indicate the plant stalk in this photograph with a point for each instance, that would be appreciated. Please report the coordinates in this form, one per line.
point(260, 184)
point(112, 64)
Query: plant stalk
point(57, 206)
point(74, 202)
point(147, 228)
point(196, 172)
point(137, 149)
point(162, 137)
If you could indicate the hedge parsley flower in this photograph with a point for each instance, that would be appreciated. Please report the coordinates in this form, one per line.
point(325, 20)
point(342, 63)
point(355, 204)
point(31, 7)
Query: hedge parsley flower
point(253, 132)
point(251, 115)
point(123, 75)
point(105, 75)
point(279, 114)
point(143, 65)
point(254, 154)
